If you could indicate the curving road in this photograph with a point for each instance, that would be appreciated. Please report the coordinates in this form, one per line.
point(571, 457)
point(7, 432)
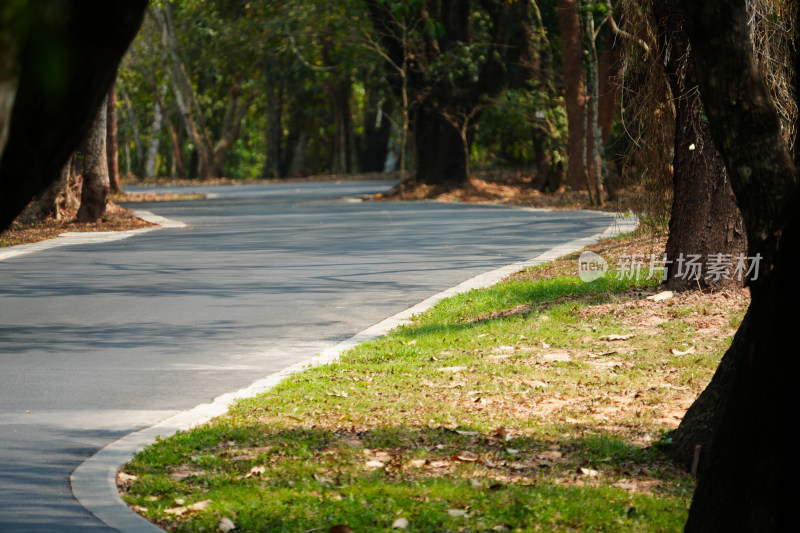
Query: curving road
point(99, 340)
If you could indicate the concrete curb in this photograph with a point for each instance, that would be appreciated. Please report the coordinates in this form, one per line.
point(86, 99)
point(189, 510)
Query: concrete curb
point(94, 481)
point(90, 237)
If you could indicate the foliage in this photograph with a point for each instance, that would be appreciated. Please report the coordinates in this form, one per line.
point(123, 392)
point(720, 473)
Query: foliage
point(505, 132)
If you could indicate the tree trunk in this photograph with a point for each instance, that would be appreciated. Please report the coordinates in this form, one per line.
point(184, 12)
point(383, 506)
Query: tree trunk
point(185, 97)
point(298, 163)
point(112, 140)
point(273, 134)
point(94, 193)
point(439, 149)
point(48, 122)
point(573, 77)
point(231, 127)
point(155, 134)
point(8, 74)
point(342, 140)
point(53, 201)
point(745, 479)
point(705, 218)
point(137, 135)
point(377, 129)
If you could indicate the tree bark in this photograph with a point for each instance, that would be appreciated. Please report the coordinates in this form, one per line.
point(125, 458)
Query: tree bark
point(92, 36)
point(54, 201)
point(377, 129)
point(155, 133)
point(274, 92)
point(112, 140)
point(137, 135)
point(705, 218)
point(298, 163)
point(439, 149)
point(340, 147)
point(95, 189)
point(745, 479)
point(573, 74)
point(8, 72)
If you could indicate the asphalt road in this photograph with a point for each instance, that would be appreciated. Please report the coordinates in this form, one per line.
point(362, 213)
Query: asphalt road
point(100, 340)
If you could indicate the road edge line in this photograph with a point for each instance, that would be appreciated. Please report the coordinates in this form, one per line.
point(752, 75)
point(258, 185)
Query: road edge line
point(94, 482)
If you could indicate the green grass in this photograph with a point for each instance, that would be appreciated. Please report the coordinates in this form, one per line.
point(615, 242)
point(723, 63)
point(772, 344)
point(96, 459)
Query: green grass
point(498, 409)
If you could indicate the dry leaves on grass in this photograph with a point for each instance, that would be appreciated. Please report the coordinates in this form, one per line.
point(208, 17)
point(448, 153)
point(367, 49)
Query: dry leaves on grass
point(188, 509)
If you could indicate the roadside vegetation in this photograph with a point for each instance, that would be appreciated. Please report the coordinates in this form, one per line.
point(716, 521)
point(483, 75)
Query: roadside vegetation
point(540, 404)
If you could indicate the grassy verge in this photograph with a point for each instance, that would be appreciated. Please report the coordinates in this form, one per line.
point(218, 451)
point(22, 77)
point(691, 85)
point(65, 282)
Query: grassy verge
point(504, 409)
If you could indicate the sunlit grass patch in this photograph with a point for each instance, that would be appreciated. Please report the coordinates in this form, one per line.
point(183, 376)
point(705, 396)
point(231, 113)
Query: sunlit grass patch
point(533, 405)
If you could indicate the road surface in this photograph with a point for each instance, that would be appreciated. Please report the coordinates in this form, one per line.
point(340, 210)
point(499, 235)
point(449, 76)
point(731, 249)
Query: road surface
point(100, 340)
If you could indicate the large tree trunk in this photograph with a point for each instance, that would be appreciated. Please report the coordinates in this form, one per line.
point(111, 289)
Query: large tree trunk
point(573, 75)
point(47, 126)
point(53, 201)
point(439, 149)
point(112, 140)
point(705, 218)
point(94, 193)
point(745, 480)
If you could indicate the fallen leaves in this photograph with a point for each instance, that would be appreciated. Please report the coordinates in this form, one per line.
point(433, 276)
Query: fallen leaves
point(400, 523)
point(688, 351)
point(661, 296)
point(465, 456)
point(616, 337)
point(452, 369)
point(256, 471)
point(188, 509)
point(226, 524)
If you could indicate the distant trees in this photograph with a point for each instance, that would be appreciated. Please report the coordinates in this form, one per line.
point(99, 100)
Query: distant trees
point(304, 86)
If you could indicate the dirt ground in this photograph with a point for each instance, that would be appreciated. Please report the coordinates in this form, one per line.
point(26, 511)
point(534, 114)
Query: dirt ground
point(117, 218)
point(502, 187)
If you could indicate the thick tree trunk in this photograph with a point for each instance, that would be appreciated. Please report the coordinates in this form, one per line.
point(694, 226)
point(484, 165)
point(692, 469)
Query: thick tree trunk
point(573, 76)
point(705, 219)
point(439, 150)
point(746, 481)
point(53, 201)
point(112, 140)
point(92, 36)
point(94, 193)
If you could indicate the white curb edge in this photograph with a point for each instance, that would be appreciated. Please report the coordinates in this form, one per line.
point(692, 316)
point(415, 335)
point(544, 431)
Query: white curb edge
point(89, 237)
point(94, 481)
